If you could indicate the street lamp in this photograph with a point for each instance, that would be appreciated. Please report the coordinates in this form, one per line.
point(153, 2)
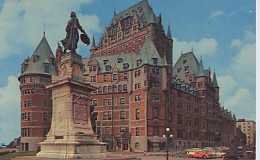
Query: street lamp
point(167, 135)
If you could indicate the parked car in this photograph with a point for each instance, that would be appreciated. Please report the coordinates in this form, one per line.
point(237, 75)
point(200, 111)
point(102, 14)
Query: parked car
point(219, 154)
point(192, 153)
point(2, 145)
point(205, 154)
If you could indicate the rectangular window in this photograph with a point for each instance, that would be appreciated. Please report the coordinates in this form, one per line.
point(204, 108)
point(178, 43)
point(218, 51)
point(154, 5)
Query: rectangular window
point(179, 105)
point(200, 84)
point(26, 116)
point(104, 102)
point(107, 130)
point(114, 76)
point(155, 61)
point(188, 121)
point(137, 114)
point(155, 113)
point(197, 110)
point(122, 100)
point(125, 76)
point(196, 122)
point(122, 130)
point(122, 115)
point(139, 73)
point(109, 101)
point(26, 132)
point(179, 94)
point(170, 117)
point(155, 131)
point(138, 97)
point(153, 71)
point(155, 96)
point(137, 131)
point(109, 115)
point(105, 115)
point(105, 77)
point(179, 118)
point(179, 134)
point(157, 71)
point(94, 102)
point(47, 116)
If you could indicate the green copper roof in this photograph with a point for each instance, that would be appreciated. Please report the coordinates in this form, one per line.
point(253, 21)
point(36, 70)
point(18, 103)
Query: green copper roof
point(215, 82)
point(41, 58)
point(169, 34)
point(142, 10)
point(201, 72)
point(148, 55)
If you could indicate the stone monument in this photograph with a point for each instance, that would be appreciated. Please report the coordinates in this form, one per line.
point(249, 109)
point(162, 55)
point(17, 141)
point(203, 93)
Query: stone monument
point(71, 134)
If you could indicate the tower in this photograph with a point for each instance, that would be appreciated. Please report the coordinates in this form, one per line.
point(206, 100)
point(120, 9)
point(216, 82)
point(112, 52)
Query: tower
point(36, 102)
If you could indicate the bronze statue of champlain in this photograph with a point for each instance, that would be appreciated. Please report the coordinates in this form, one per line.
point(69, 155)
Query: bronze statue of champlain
point(72, 36)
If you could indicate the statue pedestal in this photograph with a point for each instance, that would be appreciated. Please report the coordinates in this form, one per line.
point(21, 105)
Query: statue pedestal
point(71, 134)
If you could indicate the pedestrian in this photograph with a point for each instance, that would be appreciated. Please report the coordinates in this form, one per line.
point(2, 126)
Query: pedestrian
point(180, 154)
point(144, 152)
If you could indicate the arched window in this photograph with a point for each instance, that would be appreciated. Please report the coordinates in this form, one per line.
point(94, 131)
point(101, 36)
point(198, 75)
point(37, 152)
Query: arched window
point(109, 89)
point(137, 145)
point(99, 90)
point(125, 87)
point(105, 89)
point(119, 88)
point(114, 88)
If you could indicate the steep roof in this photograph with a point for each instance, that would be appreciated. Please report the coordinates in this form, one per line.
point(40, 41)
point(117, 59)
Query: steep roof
point(215, 82)
point(169, 34)
point(41, 56)
point(201, 71)
point(186, 62)
point(147, 55)
point(142, 10)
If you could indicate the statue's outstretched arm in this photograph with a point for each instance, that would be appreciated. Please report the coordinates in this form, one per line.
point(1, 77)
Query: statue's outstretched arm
point(79, 26)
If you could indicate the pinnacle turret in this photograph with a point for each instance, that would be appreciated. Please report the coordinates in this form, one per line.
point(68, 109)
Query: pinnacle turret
point(169, 34)
point(201, 72)
point(93, 46)
point(215, 82)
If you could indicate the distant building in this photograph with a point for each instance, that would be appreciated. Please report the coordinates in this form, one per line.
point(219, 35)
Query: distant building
point(36, 102)
point(249, 128)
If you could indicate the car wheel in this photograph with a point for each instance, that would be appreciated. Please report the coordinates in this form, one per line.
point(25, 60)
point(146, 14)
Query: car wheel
point(204, 157)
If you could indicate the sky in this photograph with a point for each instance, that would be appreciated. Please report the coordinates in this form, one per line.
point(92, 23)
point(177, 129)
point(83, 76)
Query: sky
point(222, 32)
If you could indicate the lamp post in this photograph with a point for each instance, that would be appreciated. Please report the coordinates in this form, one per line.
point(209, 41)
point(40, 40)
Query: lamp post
point(167, 135)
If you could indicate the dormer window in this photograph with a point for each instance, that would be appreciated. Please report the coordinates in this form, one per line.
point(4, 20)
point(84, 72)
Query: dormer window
point(108, 68)
point(52, 60)
point(119, 60)
point(155, 61)
point(47, 67)
point(186, 68)
point(125, 66)
point(94, 68)
point(184, 61)
point(178, 69)
point(35, 58)
point(105, 61)
point(24, 66)
point(138, 62)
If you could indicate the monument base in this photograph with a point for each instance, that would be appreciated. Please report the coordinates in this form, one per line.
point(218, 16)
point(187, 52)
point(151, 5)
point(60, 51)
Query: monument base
point(72, 150)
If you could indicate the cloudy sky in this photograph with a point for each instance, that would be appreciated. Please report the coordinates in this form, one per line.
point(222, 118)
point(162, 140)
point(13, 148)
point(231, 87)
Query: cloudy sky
point(221, 31)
